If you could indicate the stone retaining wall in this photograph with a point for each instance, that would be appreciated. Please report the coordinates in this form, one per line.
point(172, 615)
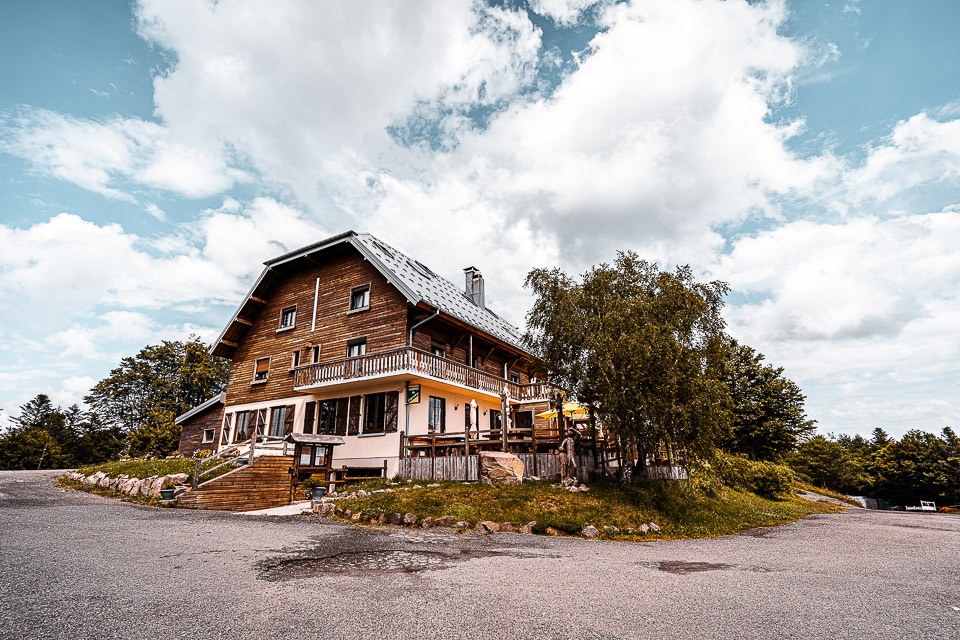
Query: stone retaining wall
point(132, 486)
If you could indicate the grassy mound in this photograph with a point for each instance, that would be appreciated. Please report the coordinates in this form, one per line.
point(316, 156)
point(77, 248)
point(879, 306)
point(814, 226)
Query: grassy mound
point(681, 509)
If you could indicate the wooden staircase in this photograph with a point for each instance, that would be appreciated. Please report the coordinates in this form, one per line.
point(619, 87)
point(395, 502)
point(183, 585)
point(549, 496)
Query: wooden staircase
point(262, 485)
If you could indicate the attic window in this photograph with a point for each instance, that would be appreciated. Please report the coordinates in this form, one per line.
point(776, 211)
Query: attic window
point(208, 435)
point(288, 318)
point(360, 298)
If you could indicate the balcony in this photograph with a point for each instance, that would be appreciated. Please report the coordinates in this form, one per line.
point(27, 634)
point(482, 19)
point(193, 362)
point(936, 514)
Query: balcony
point(407, 361)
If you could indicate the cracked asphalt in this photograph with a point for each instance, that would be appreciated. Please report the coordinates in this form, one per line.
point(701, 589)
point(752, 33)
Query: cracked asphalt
point(75, 565)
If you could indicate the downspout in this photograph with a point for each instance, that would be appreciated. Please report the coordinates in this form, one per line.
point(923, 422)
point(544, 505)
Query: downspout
point(414, 327)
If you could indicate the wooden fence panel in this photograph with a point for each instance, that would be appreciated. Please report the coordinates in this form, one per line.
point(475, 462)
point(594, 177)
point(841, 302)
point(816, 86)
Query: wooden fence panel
point(461, 469)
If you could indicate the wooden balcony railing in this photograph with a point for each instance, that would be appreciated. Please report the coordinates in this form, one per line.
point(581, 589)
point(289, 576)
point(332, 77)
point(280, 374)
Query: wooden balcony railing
point(416, 362)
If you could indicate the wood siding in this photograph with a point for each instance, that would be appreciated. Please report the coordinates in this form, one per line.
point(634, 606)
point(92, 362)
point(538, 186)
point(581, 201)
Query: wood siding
point(383, 324)
point(191, 430)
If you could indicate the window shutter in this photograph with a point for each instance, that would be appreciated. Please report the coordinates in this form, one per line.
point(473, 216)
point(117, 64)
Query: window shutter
point(288, 420)
point(390, 413)
point(353, 421)
point(225, 429)
point(261, 422)
point(341, 416)
point(309, 414)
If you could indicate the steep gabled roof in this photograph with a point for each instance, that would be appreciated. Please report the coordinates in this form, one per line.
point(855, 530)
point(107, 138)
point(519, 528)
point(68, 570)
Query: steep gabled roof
point(417, 282)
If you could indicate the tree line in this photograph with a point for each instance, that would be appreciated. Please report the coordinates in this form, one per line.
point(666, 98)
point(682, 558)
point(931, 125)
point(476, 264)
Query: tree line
point(130, 412)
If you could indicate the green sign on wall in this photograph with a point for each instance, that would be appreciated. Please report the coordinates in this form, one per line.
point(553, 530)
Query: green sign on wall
point(413, 394)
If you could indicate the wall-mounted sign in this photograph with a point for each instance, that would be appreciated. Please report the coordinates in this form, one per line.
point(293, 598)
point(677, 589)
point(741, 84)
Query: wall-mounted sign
point(413, 394)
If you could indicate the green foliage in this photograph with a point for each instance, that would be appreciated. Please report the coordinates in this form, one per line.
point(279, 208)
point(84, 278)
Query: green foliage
point(143, 395)
point(768, 413)
point(919, 466)
point(48, 437)
point(172, 376)
point(762, 478)
point(644, 347)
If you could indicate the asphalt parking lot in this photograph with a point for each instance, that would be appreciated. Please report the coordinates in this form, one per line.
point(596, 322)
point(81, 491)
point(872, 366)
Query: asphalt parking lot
point(75, 565)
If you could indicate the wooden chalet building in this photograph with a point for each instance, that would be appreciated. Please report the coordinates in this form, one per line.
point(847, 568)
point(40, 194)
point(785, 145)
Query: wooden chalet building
point(350, 337)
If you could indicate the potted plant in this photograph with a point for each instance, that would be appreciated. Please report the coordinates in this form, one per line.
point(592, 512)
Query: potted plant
point(314, 488)
point(167, 490)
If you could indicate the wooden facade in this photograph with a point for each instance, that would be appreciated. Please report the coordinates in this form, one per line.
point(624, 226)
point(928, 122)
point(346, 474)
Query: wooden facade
point(332, 338)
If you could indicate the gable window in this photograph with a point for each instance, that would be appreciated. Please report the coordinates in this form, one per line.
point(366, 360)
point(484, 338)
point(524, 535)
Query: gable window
point(360, 298)
point(208, 435)
point(437, 415)
point(357, 347)
point(262, 370)
point(288, 318)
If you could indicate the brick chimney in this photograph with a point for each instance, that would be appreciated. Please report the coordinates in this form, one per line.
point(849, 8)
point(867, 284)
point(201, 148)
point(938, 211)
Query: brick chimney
point(474, 286)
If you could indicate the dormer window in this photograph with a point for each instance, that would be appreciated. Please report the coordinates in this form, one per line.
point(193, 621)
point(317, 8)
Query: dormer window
point(360, 298)
point(288, 318)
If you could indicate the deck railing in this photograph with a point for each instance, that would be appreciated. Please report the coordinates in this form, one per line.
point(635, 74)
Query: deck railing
point(416, 362)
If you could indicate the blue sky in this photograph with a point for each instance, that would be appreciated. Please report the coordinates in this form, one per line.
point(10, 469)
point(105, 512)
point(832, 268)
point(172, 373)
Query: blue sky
point(154, 154)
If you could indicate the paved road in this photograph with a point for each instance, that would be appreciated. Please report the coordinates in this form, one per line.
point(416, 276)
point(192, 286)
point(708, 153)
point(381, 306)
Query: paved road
point(75, 565)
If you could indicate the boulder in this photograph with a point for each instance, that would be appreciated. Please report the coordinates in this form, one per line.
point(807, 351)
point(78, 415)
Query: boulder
point(409, 519)
point(590, 531)
point(611, 531)
point(145, 485)
point(644, 529)
point(506, 527)
point(500, 468)
point(460, 524)
point(528, 528)
point(445, 521)
point(361, 493)
point(396, 518)
point(94, 478)
point(128, 484)
point(104, 481)
point(554, 532)
point(179, 478)
point(427, 522)
point(488, 526)
point(356, 517)
point(654, 527)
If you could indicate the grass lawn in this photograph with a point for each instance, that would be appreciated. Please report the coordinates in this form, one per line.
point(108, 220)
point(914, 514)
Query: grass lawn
point(680, 509)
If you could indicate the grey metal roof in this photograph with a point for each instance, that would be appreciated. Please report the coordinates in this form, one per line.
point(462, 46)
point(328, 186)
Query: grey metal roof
point(417, 282)
point(437, 291)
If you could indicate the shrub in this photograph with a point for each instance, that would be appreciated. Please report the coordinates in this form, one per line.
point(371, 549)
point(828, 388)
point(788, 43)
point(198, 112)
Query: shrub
point(763, 478)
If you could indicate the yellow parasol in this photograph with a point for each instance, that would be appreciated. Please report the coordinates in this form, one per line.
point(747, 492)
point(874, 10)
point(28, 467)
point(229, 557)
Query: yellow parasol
point(570, 409)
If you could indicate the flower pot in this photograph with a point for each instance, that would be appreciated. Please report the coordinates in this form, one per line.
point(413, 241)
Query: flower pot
point(167, 494)
point(317, 493)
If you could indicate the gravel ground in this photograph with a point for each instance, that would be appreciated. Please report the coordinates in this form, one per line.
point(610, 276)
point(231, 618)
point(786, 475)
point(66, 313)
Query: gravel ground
point(75, 565)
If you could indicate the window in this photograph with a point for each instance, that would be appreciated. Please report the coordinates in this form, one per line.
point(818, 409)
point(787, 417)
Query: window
point(309, 416)
point(315, 354)
point(328, 417)
point(360, 298)
point(296, 359)
point(281, 421)
point(313, 456)
point(437, 415)
point(439, 351)
point(242, 428)
point(208, 435)
point(374, 407)
point(472, 362)
point(288, 318)
point(261, 370)
point(514, 377)
point(356, 347)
